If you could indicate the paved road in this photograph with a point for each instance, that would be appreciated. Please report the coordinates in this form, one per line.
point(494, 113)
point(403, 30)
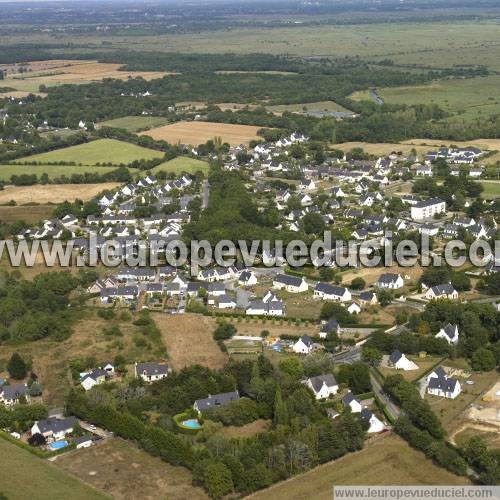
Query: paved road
point(346, 358)
point(206, 194)
point(393, 410)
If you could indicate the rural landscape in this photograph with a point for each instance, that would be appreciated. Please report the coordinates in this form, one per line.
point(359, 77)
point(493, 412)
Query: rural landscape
point(140, 143)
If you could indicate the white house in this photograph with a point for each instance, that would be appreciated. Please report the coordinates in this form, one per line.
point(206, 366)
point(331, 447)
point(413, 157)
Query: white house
point(292, 284)
point(307, 185)
point(399, 361)
point(350, 401)
point(151, 372)
point(353, 308)
point(449, 333)
point(325, 291)
point(303, 346)
point(11, 394)
point(441, 385)
point(375, 424)
point(427, 209)
point(247, 278)
point(391, 281)
point(93, 378)
point(445, 291)
point(323, 386)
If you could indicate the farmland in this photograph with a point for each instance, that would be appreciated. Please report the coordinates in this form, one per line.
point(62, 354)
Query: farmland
point(31, 214)
point(134, 123)
point(491, 190)
point(121, 470)
point(188, 339)
point(53, 171)
point(329, 106)
point(465, 99)
point(387, 460)
point(181, 164)
point(56, 193)
point(46, 481)
point(200, 132)
point(51, 73)
point(101, 151)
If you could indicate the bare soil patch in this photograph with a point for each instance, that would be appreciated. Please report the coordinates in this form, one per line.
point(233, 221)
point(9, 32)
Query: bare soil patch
point(247, 430)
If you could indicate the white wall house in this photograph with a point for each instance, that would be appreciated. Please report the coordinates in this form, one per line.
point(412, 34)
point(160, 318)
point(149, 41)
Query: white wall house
point(391, 281)
point(449, 333)
point(399, 361)
point(445, 291)
point(323, 386)
point(151, 372)
point(303, 346)
point(292, 284)
point(325, 291)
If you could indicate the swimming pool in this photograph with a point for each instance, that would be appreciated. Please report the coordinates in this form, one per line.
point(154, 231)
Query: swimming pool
point(57, 445)
point(192, 423)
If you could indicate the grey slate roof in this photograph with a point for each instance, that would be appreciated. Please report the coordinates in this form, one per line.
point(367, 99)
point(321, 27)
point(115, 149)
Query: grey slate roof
point(330, 289)
point(54, 425)
point(317, 382)
point(443, 383)
point(151, 369)
point(395, 356)
point(14, 391)
point(445, 289)
point(285, 279)
point(217, 400)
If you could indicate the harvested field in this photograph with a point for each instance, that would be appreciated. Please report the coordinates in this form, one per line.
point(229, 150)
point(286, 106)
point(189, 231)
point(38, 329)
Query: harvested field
point(53, 193)
point(188, 339)
point(121, 470)
point(46, 481)
point(276, 328)
point(102, 151)
point(200, 132)
point(380, 148)
point(386, 460)
point(61, 72)
point(31, 214)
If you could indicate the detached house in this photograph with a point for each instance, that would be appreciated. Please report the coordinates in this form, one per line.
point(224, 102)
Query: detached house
point(53, 429)
point(325, 291)
point(438, 384)
point(215, 401)
point(375, 424)
point(390, 280)
point(449, 333)
point(247, 278)
point(151, 372)
point(445, 291)
point(399, 361)
point(323, 386)
point(95, 377)
point(11, 394)
point(292, 284)
point(304, 345)
point(349, 401)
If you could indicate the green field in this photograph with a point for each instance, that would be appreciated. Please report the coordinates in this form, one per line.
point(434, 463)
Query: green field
point(491, 190)
point(24, 475)
point(466, 99)
point(92, 153)
point(135, 123)
point(53, 171)
point(310, 106)
point(182, 164)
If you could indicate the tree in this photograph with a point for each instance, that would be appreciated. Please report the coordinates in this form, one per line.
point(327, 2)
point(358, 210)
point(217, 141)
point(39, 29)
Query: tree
point(358, 283)
point(16, 367)
point(372, 355)
point(293, 367)
point(326, 274)
point(281, 416)
point(313, 223)
point(483, 360)
point(384, 297)
point(218, 480)
point(37, 440)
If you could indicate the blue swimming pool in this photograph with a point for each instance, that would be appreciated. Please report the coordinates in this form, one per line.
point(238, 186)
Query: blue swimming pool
point(57, 445)
point(192, 423)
